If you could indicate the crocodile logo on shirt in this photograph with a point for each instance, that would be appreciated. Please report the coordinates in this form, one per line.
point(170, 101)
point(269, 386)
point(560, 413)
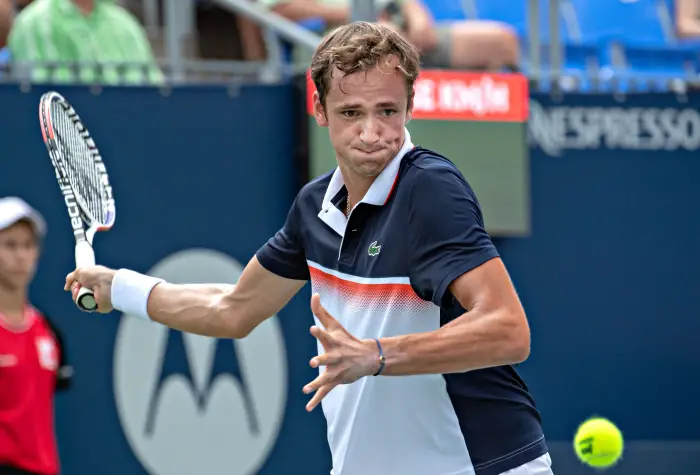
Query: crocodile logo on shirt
point(374, 249)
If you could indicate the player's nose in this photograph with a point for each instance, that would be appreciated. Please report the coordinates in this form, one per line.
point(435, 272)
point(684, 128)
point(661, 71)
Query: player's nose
point(369, 134)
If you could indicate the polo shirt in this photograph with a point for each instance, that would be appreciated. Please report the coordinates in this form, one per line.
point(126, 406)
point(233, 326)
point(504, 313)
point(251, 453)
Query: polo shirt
point(385, 271)
point(57, 31)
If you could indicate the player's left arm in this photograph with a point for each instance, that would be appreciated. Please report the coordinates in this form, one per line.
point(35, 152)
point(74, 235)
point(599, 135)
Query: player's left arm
point(493, 332)
point(453, 258)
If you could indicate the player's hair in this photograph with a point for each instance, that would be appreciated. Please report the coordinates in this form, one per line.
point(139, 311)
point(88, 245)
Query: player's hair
point(361, 46)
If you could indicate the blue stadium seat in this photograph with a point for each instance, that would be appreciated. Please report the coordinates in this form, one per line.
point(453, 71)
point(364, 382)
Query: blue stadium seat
point(636, 27)
point(617, 20)
point(444, 11)
point(507, 11)
point(661, 59)
point(317, 24)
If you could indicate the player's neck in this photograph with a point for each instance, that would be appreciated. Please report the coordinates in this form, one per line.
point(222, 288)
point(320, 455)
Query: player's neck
point(85, 6)
point(357, 186)
point(12, 304)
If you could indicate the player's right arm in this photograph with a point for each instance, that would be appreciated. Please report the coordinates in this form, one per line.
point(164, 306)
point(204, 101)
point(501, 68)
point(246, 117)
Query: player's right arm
point(223, 311)
point(271, 278)
point(216, 310)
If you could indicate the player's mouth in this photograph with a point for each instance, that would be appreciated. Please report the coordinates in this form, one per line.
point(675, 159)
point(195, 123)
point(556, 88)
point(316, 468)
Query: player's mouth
point(370, 151)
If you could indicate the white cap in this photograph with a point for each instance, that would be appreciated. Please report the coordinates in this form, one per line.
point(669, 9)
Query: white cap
point(14, 209)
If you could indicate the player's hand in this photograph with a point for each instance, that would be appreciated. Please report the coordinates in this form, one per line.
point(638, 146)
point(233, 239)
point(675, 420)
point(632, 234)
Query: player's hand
point(97, 278)
point(346, 358)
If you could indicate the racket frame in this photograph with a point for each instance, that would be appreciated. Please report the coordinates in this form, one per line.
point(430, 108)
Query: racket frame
point(78, 211)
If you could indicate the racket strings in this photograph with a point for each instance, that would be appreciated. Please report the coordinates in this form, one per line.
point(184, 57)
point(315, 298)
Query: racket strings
point(79, 165)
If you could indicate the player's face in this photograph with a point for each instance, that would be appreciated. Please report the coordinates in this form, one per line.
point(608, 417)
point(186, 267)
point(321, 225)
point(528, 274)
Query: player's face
point(19, 252)
point(365, 113)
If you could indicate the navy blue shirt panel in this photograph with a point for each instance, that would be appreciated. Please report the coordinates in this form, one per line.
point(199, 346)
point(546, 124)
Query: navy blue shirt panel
point(446, 229)
point(283, 254)
point(498, 417)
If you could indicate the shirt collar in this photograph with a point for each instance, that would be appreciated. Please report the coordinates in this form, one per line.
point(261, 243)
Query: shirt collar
point(377, 195)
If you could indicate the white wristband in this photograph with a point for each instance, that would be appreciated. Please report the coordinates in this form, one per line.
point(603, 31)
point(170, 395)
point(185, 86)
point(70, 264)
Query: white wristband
point(130, 291)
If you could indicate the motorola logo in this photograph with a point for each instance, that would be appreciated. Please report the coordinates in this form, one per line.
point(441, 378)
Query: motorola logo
point(190, 404)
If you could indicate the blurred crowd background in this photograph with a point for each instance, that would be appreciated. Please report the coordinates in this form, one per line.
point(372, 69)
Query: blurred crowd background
point(582, 40)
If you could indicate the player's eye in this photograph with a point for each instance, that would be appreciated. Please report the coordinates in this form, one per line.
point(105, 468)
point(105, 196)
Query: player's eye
point(389, 112)
point(349, 113)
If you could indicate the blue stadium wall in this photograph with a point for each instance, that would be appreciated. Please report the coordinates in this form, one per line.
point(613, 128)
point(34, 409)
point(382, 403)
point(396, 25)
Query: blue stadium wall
point(610, 277)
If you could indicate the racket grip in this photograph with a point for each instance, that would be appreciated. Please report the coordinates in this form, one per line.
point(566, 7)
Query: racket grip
point(85, 257)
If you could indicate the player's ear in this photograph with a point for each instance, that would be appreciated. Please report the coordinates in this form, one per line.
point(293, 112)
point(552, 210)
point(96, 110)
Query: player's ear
point(409, 108)
point(319, 111)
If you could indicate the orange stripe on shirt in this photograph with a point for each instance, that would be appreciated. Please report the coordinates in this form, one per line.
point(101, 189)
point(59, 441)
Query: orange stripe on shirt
point(389, 291)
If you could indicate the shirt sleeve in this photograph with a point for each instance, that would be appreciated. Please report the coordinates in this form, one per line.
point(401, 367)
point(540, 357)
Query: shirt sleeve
point(446, 233)
point(284, 253)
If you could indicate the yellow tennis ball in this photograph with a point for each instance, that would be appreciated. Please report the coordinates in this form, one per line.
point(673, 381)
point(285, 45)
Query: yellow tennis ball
point(598, 443)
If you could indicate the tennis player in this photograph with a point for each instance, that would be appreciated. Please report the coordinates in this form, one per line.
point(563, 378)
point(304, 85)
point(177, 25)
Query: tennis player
point(417, 321)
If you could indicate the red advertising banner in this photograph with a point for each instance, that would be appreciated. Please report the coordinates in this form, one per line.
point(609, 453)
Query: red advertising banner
point(457, 95)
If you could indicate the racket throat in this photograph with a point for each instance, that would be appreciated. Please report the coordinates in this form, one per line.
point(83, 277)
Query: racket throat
point(90, 235)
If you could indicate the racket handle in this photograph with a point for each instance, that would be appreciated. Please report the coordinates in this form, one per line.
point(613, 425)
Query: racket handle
point(86, 300)
point(85, 257)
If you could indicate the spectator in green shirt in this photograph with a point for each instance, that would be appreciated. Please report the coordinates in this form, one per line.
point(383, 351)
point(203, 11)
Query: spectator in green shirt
point(90, 31)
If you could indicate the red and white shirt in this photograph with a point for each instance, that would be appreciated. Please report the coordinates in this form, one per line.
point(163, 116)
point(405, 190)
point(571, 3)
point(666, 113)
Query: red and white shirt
point(30, 359)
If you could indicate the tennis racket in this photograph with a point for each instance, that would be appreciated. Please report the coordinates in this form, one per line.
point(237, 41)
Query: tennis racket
point(82, 178)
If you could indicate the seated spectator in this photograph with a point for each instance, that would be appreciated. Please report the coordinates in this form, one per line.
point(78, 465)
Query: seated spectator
point(476, 44)
point(6, 15)
point(688, 18)
point(96, 32)
point(222, 34)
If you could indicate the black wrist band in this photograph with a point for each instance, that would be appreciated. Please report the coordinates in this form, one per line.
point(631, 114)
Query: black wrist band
point(382, 360)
